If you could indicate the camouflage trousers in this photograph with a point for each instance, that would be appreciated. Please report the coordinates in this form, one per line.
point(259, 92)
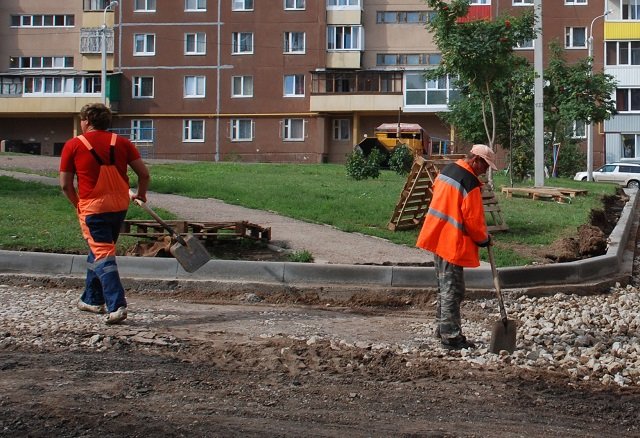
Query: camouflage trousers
point(451, 290)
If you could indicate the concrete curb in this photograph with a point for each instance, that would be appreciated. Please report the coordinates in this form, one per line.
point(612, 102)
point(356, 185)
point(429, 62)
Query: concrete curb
point(615, 265)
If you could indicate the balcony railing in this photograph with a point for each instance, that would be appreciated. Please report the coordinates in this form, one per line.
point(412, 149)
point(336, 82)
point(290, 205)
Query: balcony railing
point(356, 82)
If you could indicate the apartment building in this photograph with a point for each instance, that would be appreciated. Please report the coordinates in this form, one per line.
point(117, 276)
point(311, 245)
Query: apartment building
point(298, 81)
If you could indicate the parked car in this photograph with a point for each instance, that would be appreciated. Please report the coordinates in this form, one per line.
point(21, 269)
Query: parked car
point(625, 174)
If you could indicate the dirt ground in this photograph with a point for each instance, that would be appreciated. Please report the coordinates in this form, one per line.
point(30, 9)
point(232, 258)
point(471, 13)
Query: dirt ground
point(260, 373)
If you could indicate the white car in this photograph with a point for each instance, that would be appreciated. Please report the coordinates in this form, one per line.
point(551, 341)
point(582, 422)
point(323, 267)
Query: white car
point(624, 174)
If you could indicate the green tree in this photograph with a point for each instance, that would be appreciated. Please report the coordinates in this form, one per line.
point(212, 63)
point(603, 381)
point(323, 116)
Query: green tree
point(479, 54)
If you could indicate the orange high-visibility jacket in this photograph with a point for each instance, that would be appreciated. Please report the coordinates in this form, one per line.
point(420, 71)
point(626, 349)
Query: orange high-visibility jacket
point(455, 226)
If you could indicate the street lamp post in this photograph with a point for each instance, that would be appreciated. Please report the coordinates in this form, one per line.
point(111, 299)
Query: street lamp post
point(590, 128)
point(103, 77)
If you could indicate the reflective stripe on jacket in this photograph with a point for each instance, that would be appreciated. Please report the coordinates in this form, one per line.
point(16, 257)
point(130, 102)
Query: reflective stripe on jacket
point(455, 225)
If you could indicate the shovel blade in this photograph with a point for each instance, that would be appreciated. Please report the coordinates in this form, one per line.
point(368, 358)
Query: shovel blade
point(503, 336)
point(191, 256)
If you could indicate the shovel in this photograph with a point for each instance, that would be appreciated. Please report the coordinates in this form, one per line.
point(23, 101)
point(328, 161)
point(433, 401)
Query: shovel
point(503, 336)
point(188, 251)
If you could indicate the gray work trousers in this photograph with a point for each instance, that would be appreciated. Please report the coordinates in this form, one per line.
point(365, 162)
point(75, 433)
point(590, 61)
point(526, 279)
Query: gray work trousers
point(451, 290)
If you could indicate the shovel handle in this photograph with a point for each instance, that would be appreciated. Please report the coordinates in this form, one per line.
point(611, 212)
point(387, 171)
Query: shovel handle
point(170, 229)
point(496, 285)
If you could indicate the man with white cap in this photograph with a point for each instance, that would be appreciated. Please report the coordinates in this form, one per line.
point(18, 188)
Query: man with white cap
point(454, 228)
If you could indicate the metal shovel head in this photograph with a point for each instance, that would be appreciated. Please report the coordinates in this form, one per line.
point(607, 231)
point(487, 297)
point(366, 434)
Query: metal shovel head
point(503, 336)
point(191, 256)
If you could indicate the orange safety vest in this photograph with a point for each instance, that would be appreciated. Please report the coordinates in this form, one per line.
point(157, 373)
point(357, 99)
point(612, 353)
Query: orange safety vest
point(455, 225)
point(111, 192)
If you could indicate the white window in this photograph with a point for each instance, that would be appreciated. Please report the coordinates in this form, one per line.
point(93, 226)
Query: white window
point(341, 129)
point(420, 92)
point(194, 86)
point(628, 99)
point(294, 4)
point(294, 42)
point(195, 43)
point(242, 43)
point(631, 9)
point(145, 5)
point(144, 44)
point(142, 87)
point(622, 53)
point(575, 37)
point(193, 130)
point(242, 86)
point(575, 2)
point(293, 85)
point(480, 2)
point(195, 5)
point(242, 5)
point(344, 37)
point(334, 3)
point(630, 145)
point(42, 20)
point(293, 129)
point(528, 44)
point(141, 130)
point(579, 130)
point(241, 130)
point(522, 2)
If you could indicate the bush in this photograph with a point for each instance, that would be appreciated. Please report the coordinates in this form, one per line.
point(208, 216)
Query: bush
point(401, 160)
point(360, 167)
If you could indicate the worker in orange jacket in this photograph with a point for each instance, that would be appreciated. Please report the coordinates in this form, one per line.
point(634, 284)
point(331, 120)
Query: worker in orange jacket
point(453, 230)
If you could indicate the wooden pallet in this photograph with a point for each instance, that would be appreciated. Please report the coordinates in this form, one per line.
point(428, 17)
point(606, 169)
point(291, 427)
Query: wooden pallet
point(418, 190)
point(210, 232)
point(557, 194)
point(416, 194)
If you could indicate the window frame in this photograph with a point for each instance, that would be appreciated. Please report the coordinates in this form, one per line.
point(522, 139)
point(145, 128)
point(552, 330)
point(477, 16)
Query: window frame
point(522, 3)
point(338, 40)
point(136, 129)
point(241, 5)
point(338, 127)
point(243, 79)
point(148, 38)
point(197, 36)
point(295, 6)
point(144, 6)
point(569, 37)
point(289, 40)
point(188, 131)
point(138, 84)
point(197, 8)
point(293, 125)
point(200, 83)
point(293, 88)
point(236, 43)
point(237, 126)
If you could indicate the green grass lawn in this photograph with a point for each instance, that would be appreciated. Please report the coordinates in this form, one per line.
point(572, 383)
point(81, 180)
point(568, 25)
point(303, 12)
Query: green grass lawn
point(38, 217)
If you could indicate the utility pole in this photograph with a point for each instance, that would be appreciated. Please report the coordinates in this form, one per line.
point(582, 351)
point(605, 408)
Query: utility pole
point(103, 76)
point(538, 99)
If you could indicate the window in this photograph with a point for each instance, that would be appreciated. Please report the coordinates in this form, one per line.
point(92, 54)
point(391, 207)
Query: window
point(195, 43)
point(142, 86)
point(193, 130)
point(241, 130)
point(242, 5)
point(94, 5)
point(575, 37)
point(144, 5)
point(242, 43)
point(575, 2)
point(522, 2)
point(41, 62)
point(42, 20)
point(294, 4)
point(628, 99)
point(579, 130)
point(631, 9)
point(528, 44)
point(294, 42)
point(420, 92)
point(408, 58)
point(622, 53)
point(293, 85)
point(341, 129)
point(195, 5)
point(630, 143)
point(480, 2)
point(293, 129)
point(242, 86)
point(41, 85)
point(343, 3)
point(194, 86)
point(344, 38)
point(141, 130)
point(144, 44)
point(400, 17)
